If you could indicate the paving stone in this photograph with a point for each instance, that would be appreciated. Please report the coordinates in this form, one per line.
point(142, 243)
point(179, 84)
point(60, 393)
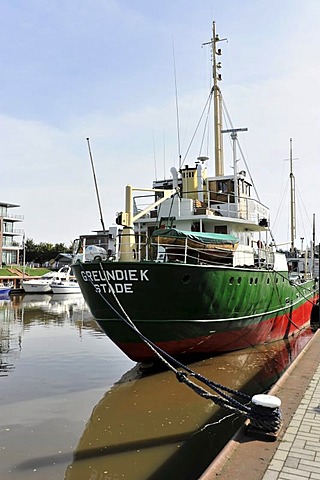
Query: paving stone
point(301, 454)
point(280, 455)
point(292, 430)
point(271, 475)
point(305, 428)
point(299, 443)
point(288, 437)
point(315, 476)
point(290, 476)
point(296, 472)
point(276, 465)
point(292, 462)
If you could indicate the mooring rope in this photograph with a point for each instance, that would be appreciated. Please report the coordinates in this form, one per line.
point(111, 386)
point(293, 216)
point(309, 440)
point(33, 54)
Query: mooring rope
point(265, 419)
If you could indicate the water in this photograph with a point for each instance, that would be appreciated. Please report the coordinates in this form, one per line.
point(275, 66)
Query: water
point(73, 406)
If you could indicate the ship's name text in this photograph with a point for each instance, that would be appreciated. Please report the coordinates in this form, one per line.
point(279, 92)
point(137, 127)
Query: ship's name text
point(122, 280)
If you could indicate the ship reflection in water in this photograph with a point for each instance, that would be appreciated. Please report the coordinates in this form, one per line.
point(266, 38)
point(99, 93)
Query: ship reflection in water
point(151, 427)
point(66, 414)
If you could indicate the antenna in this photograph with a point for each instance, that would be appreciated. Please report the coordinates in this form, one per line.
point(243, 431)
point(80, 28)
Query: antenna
point(96, 187)
point(177, 107)
point(154, 156)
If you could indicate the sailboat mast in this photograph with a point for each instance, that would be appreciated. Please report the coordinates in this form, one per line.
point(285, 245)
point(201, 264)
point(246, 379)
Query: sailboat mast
point(217, 101)
point(292, 203)
point(96, 187)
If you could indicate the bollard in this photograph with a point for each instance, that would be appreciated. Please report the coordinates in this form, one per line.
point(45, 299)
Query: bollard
point(265, 417)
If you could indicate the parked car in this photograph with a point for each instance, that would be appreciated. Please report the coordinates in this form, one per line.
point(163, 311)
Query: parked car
point(92, 252)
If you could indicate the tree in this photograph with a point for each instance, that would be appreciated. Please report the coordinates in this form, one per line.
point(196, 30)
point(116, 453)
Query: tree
point(31, 250)
point(43, 252)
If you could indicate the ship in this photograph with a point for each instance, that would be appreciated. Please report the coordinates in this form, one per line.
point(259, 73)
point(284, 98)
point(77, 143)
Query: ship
point(196, 270)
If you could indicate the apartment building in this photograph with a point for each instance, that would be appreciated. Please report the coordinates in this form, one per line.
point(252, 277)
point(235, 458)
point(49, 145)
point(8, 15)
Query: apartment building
point(10, 236)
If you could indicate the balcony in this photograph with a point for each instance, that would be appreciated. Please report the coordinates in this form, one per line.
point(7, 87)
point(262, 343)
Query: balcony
point(13, 231)
point(18, 218)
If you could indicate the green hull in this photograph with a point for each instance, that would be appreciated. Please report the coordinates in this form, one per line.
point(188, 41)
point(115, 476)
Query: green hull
point(192, 308)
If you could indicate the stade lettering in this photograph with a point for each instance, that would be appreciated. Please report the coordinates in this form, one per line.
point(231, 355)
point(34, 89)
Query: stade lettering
point(120, 279)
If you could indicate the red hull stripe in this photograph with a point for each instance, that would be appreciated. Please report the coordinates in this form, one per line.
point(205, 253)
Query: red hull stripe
point(269, 330)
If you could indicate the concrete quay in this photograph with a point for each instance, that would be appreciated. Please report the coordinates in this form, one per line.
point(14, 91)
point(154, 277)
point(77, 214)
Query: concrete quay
point(295, 454)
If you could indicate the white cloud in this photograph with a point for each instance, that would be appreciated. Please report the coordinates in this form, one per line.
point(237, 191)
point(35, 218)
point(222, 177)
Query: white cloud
point(107, 73)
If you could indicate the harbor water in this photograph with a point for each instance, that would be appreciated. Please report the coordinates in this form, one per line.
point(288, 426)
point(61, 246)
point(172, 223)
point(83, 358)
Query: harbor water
point(73, 406)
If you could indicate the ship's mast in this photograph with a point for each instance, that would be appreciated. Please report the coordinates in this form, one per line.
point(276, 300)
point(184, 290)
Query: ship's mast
point(217, 101)
point(292, 203)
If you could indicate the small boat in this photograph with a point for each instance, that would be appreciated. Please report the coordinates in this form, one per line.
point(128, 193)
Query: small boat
point(198, 270)
point(66, 286)
point(43, 284)
point(5, 289)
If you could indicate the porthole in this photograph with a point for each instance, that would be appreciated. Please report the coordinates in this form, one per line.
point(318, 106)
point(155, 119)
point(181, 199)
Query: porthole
point(255, 281)
point(231, 280)
point(186, 279)
point(239, 280)
point(251, 281)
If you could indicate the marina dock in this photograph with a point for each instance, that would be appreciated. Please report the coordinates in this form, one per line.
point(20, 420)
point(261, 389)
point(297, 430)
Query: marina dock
point(15, 278)
point(296, 451)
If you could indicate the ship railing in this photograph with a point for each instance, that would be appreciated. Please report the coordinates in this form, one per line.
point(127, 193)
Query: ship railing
point(184, 253)
point(264, 257)
point(212, 203)
point(151, 249)
point(227, 204)
point(240, 257)
point(246, 209)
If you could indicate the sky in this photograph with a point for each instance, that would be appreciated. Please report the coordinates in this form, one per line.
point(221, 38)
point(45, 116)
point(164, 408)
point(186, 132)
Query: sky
point(113, 71)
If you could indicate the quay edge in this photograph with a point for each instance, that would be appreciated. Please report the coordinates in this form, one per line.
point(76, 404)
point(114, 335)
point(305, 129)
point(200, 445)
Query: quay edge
point(249, 457)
